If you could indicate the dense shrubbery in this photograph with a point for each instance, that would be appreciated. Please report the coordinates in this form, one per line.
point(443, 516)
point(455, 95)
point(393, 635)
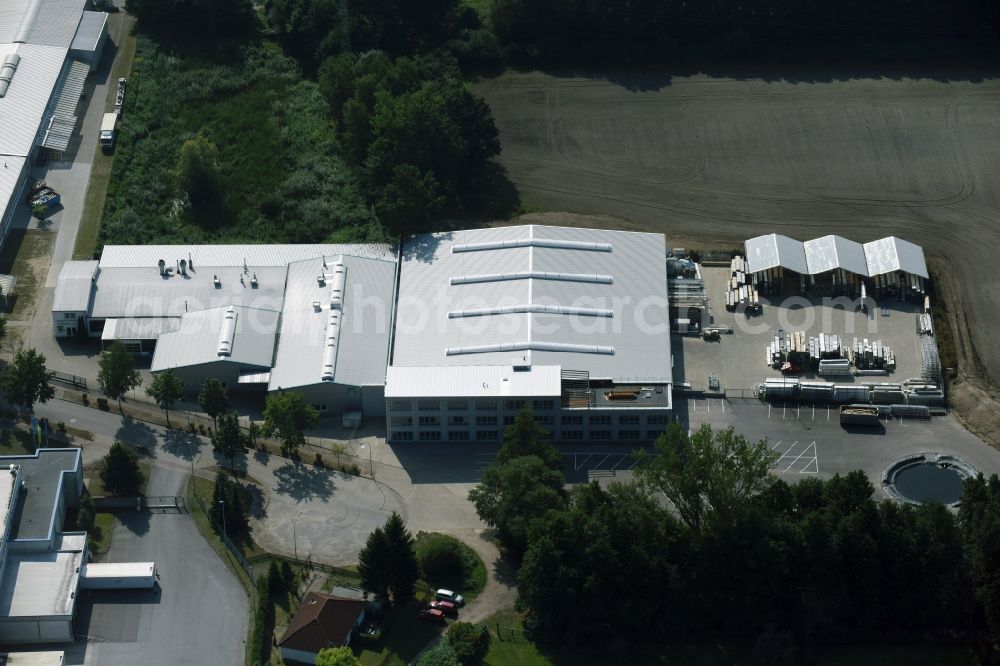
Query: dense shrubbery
point(278, 174)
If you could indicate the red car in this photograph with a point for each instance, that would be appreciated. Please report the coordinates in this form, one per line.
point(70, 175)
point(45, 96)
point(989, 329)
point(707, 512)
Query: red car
point(431, 615)
point(446, 607)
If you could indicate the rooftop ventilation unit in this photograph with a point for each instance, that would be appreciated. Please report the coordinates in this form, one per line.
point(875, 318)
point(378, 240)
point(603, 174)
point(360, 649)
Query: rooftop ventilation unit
point(228, 332)
point(216, 281)
point(337, 291)
point(532, 242)
point(182, 266)
point(7, 70)
point(253, 281)
point(330, 348)
point(163, 266)
point(533, 275)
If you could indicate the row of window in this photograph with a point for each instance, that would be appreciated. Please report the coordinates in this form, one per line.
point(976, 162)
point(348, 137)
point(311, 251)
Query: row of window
point(542, 419)
point(494, 435)
point(460, 405)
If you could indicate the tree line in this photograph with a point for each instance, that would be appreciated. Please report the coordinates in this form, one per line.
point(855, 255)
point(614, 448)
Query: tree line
point(417, 146)
point(707, 541)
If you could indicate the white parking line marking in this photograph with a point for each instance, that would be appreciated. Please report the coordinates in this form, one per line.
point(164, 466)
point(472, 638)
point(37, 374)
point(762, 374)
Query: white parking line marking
point(708, 405)
point(776, 445)
point(578, 466)
point(722, 403)
point(828, 412)
point(812, 463)
point(768, 410)
point(814, 412)
point(598, 465)
point(798, 412)
point(797, 458)
point(785, 454)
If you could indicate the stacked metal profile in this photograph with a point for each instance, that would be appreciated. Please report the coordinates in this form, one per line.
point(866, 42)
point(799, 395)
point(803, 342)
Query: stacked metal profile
point(742, 288)
point(686, 295)
point(925, 324)
point(887, 394)
point(899, 284)
point(823, 353)
point(872, 357)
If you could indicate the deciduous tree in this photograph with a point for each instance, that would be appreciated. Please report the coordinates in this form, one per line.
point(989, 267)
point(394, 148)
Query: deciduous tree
point(705, 472)
point(469, 642)
point(525, 437)
point(336, 656)
point(26, 380)
point(288, 416)
point(512, 495)
point(213, 399)
point(166, 389)
point(228, 439)
point(116, 376)
point(120, 471)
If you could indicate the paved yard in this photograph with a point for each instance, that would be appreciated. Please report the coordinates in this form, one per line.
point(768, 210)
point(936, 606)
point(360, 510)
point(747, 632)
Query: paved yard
point(199, 613)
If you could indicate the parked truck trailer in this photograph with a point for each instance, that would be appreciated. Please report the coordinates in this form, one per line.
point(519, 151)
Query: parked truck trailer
point(109, 130)
point(862, 415)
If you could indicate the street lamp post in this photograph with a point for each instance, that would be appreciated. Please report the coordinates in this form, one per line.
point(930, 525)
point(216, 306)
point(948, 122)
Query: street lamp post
point(225, 533)
point(295, 540)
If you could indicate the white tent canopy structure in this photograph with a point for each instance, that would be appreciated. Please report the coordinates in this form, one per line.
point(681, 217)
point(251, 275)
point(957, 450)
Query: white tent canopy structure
point(774, 251)
point(830, 253)
point(894, 254)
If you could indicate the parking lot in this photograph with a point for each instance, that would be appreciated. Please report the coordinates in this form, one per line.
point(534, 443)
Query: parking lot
point(738, 360)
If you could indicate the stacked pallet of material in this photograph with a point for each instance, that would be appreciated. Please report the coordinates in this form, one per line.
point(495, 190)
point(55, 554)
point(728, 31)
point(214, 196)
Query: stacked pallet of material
point(853, 393)
point(834, 366)
point(888, 394)
point(925, 324)
point(873, 355)
point(742, 289)
point(925, 395)
point(816, 391)
point(780, 387)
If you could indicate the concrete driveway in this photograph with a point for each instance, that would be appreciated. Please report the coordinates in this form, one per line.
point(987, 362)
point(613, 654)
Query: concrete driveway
point(198, 615)
point(318, 513)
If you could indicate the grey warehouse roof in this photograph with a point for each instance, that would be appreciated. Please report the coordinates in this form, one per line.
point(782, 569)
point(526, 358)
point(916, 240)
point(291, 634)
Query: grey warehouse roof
point(360, 352)
point(199, 340)
point(894, 254)
point(582, 299)
point(45, 22)
point(88, 34)
point(74, 287)
point(233, 256)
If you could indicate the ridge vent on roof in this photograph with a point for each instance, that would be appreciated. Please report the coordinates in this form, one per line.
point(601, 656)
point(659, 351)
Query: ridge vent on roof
point(528, 345)
point(330, 348)
point(227, 334)
point(532, 242)
point(532, 275)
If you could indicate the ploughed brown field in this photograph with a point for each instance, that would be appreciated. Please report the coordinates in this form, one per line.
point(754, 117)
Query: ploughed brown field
point(712, 160)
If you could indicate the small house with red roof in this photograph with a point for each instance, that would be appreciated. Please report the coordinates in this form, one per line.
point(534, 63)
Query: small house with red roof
point(322, 621)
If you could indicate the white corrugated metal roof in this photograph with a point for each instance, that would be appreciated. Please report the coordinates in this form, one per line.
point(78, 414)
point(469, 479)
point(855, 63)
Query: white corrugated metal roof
point(46, 22)
point(74, 286)
point(774, 250)
point(894, 254)
point(474, 381)
point(255, 256)
point(634, 342)
point(89, 32)
point(832, 252)
point(13, 170)
point(59, 123)
point(23, 105)
point(142, 292)
point(139, 328)
point(196, 342)
point(362, 348)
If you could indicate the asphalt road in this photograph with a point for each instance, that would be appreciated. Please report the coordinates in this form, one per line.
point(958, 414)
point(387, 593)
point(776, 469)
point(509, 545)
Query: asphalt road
point(198, 614)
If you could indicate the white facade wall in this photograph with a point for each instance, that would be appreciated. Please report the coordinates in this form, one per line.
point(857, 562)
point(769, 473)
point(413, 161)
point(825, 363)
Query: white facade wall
point(484, 420)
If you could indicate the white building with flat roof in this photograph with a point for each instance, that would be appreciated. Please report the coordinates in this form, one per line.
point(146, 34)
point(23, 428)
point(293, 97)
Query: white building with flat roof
point(570, 322)
point(47, 49)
